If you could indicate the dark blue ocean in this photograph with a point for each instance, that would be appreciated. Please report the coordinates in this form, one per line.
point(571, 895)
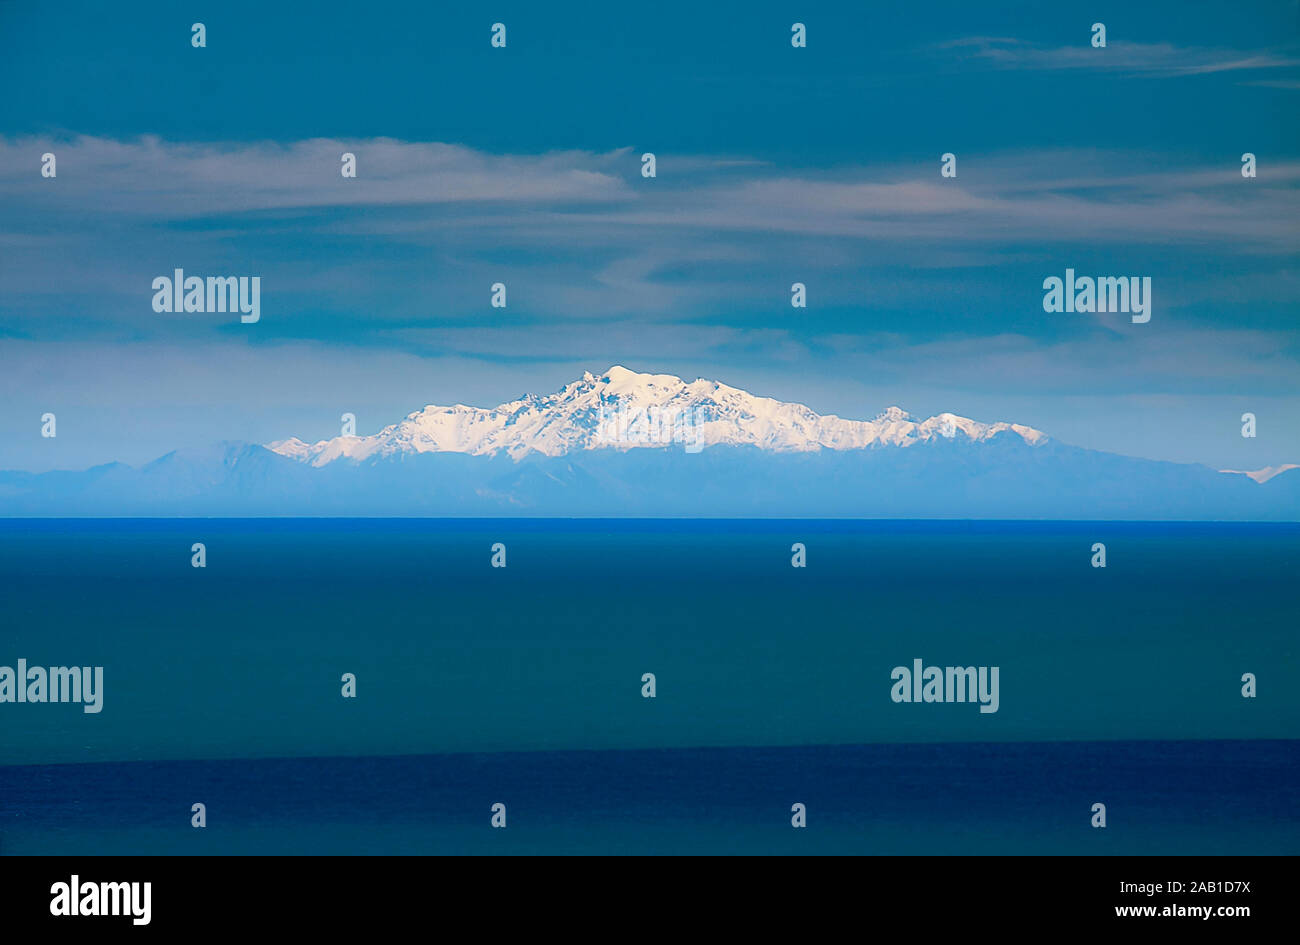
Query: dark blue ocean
point(523, 685)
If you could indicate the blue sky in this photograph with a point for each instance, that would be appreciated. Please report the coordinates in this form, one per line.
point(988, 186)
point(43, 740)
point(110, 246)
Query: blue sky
point(775, 165)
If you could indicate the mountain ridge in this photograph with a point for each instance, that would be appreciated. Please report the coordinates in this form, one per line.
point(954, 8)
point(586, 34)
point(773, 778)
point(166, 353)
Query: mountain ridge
point(579, 452)
point(623, 409)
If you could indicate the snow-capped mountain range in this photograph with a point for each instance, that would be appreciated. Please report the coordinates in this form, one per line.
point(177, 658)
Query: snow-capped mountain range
point(621, 409)
point(589, 450)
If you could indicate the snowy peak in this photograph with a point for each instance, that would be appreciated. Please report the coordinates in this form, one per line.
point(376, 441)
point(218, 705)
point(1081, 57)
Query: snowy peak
point(894, 415)
point(1262, 475)
point(293, 447)
point(622, 409)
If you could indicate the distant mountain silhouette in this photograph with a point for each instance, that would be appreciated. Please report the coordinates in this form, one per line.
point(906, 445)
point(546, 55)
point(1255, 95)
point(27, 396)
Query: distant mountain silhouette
point(626, 444)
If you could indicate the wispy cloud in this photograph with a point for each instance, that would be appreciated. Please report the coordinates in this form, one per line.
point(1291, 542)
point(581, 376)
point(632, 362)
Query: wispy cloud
point(583, 196)
point(170, 180)
point(414, 241)
point(1131, 58)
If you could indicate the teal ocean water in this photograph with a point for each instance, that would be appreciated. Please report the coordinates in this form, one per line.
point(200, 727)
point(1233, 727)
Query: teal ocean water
point(472, 679)
point(1176, 798)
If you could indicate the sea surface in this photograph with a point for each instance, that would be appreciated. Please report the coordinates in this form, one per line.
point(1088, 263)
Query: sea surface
point(523, 685)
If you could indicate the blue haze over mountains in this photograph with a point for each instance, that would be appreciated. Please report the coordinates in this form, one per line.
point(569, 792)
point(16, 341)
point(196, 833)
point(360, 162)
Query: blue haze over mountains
point(1003, 476)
